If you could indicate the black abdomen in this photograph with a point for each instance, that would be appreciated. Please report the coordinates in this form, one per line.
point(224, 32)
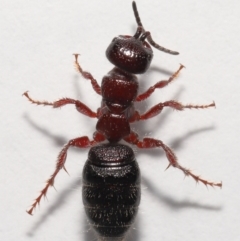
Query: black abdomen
point(111, 189)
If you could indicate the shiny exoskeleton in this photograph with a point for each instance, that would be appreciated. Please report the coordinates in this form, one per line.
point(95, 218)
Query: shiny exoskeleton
point(111, 189)
point(111, 177)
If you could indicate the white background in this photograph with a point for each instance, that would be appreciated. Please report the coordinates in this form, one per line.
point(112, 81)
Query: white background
point(37, 39)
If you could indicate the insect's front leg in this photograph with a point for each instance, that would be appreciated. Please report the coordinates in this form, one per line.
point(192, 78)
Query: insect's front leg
point(87, 75)
point(158, 85)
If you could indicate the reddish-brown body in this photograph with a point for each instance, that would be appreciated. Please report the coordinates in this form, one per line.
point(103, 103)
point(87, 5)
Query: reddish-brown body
point(119, 90)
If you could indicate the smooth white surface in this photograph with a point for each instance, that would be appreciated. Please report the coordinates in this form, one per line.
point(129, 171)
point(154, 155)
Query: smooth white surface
point(37, 40)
